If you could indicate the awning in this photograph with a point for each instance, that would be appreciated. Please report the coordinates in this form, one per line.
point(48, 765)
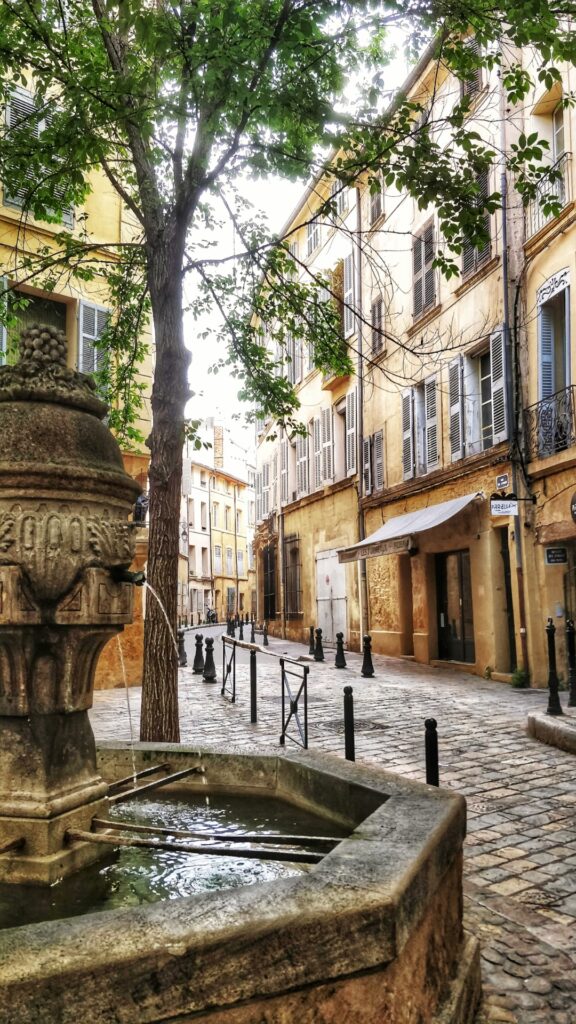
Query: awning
point(399, 534)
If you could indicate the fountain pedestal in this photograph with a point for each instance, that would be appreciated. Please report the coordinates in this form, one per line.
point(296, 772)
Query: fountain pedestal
point(64, 542)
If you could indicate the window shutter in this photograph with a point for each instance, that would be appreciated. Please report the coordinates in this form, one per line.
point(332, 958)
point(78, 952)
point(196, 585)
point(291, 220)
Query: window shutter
point(417, 290)
point(309, 356)
point(378, 457)
point(546, 382)
point(92, 321)
point(349, 317)
point(284, 471)
point(24, 119)
point(498, 371)
point(428, 269)
point(274, 491)
point(431, 414)
point(265, 490)
point(302, 465)
point(366, 465)
point(290, 358)
point(407, 435)
point(297, 345)
point(456, 418)
point(258, 497)
point(327, 451)
point(317, 445)
point(472, 258)
point(376, 317)
point(3, 330)
point(376, 205)
point(473, 85)
point(351, 432)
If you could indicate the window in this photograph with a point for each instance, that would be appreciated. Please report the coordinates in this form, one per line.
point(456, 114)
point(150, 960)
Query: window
point(203, 479)
point(293, 590)
point(240, 561)
point(377, 320)
point(250, 558)
point(252, 478)
point(37, 311)
point(472, 84)
point(238, 521)
point(351, 432)
point(192, 560)
point(420, 440)
point(218, 559)
point(477, 397)
point(227, 517)
point(203, 515)
point(378, 460)
point(215, 514)
point(327, 445)
point(349, 318)
point(92, 323)
point(229, 561)
point(474, 257)
point(423, 275)
point(191, 512)
point(205, 565)
point(269, 581)
point(25, 122)
point(340, 195)
point(376, 202)
point(251, 513)
point(301, 465)
point(293, 350)
point(284, 470)
point(313, 235)
point(265, 490)
point(558, 145)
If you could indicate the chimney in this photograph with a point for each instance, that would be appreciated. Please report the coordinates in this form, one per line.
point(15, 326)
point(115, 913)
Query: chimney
point(218, 447)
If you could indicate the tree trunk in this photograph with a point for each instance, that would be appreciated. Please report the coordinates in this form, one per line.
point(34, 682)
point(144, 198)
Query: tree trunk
point(159, 718)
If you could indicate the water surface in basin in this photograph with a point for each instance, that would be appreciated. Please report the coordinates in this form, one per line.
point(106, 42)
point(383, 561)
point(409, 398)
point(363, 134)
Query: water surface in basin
point(134, 876)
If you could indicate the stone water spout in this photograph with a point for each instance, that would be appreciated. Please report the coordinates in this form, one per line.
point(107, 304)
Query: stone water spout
point(65, 551)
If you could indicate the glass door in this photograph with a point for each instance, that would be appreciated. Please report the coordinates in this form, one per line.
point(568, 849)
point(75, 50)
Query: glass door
point(455, 615)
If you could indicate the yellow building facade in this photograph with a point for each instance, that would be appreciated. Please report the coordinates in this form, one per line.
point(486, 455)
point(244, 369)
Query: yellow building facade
point(433, 502)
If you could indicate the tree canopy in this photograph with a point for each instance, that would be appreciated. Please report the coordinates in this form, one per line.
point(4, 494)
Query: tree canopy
point(173, 102)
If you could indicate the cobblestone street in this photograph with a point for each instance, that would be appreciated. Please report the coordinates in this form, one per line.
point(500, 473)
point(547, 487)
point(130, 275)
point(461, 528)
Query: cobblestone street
point(520, 864)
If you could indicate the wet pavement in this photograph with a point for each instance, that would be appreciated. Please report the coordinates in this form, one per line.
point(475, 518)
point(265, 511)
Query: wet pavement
point(520, 854)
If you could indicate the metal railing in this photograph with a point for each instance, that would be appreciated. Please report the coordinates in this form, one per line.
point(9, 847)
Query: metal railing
point(558, 189)
point(291, 703)
point(229, 669)
point(550, 425)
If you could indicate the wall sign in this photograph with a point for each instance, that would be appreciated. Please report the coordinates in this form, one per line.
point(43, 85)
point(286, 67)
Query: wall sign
point(503, 507)
point(556, 556)
point(502, 482)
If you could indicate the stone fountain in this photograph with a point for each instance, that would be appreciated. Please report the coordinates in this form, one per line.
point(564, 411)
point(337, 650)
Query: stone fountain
point(64, 543)
point(371, 934)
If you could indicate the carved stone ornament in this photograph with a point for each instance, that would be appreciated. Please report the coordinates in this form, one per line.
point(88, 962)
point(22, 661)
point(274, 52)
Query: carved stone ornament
point(557, 283)
point(52, 548)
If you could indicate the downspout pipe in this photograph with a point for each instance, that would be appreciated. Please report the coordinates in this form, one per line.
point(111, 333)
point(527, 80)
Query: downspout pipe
point(511, 371)
point(363, 580)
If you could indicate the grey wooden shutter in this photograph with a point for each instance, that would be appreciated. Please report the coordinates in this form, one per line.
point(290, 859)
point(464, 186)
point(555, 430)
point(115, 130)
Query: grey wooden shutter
point(351, 431)
point(428, 272)
point(456, 418)
point(407, 434)
point(3, 329)
point(327, 450)
point(367, 465)
point(546, 375)
point(317, 446)
point(349, 317)
point(22, 120)
point(431, 414)
point(284, 470)
point(376, 319)
point(92, 321)
point(376, 204)
point(378, 459)
point(417, 282)
point(498, 372)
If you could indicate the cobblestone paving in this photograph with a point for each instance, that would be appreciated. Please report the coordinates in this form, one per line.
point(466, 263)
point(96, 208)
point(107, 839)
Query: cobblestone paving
point(520, 855)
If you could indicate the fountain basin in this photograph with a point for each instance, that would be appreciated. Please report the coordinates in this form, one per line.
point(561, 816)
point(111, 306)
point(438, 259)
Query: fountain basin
point(371, 934)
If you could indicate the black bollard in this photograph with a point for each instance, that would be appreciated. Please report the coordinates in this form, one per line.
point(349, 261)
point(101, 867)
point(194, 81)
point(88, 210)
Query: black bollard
point(253, 684)
point(349, 751)
point(367, 666)
point(431, 750)
point(232, 627)
point(209, 674)
point(252, 633)
point(340, 661)
point(571, 648)
point(554, 707)
point(198, 666)
point(182, 658)
point(265, 636)
point(241, 633)
point(318, 649)
point(311, 647)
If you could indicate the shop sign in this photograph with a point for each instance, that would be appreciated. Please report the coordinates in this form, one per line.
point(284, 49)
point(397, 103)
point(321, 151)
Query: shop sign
point(502, 482)
point(503, 507)
point(556, 556)
point(573, 507)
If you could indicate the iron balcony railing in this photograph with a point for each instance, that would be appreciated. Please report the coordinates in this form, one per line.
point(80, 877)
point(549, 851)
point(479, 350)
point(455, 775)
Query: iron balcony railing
point(550, 425)
point(556, 189)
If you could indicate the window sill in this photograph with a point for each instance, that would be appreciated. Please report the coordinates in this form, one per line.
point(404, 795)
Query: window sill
point(424, 319)
point(477, 276)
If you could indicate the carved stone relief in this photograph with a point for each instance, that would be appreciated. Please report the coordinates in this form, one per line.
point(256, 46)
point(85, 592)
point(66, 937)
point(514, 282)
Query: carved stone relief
point(553, 285)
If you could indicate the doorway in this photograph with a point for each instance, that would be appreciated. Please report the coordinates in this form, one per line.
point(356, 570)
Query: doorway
point(455, 617)
point(330, 595)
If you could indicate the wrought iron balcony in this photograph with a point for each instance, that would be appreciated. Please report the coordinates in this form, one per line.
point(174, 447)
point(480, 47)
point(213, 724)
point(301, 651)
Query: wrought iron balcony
point(558, 189)
point(550, 425)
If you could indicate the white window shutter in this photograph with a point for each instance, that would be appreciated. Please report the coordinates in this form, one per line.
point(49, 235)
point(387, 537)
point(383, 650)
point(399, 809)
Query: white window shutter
point(456, 418)
point(367, 465)
point(265, 490)
point(327, 446)
point(546, 381)
point(407, 434)
point(429, 273)
point(378, 458)
point(317, 445)
point(349, 317)
point(417, 282)
point(258, 497)
point(3, 330)
point(351, 432)
point(284, 471)
point(274, 489)
point(297, 360)
point(498, 371)
point(431, 414)
point(92, 321)
point(290, 359)
point(302, 465)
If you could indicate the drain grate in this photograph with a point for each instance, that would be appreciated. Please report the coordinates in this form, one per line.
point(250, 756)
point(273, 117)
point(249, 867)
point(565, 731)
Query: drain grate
point(336, 725)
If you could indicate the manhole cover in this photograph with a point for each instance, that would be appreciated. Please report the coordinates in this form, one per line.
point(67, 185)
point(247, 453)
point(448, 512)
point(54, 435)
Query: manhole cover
point(360, 725)
point(536, 898)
